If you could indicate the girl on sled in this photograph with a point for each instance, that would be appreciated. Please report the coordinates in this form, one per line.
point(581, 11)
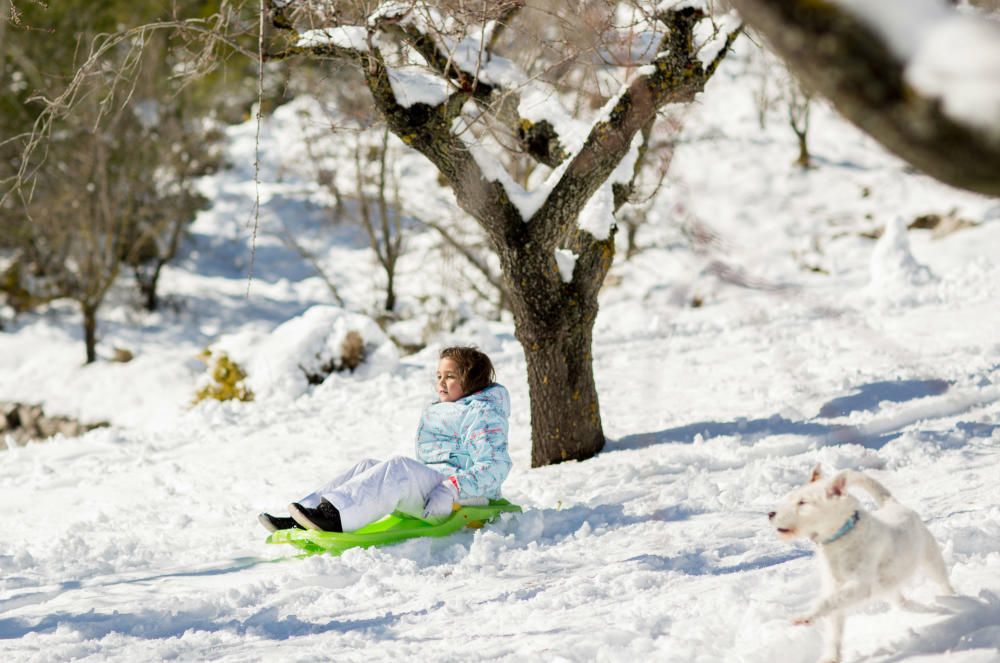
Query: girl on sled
point(461, 458)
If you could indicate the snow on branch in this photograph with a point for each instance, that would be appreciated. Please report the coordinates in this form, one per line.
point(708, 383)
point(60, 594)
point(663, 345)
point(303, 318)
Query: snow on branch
point(347, 37)
point(951, 56)
point(445, 62)
point(468, 61)
point(585, 187)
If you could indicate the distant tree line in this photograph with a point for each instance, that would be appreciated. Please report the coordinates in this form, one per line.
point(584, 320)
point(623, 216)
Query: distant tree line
point(97, 163)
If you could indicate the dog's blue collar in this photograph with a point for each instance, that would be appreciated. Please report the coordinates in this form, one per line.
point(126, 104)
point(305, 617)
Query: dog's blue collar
point(845, 528)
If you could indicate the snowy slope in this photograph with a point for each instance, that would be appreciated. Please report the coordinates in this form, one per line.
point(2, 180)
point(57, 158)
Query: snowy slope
point(139, 542)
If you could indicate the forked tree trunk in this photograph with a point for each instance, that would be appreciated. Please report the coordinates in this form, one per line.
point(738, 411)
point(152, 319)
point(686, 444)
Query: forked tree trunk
point(554, 323)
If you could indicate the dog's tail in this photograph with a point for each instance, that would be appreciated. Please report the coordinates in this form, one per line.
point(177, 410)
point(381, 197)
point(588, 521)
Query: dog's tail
point(870, 486)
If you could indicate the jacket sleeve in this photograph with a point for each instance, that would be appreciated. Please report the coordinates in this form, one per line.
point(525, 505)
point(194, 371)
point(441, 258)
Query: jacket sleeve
point(485, 441)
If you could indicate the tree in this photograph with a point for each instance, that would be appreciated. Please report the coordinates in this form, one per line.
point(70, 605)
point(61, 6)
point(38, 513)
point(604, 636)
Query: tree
point(799, 102)
point(436, 77)
point(852, 56)
point(99, 172)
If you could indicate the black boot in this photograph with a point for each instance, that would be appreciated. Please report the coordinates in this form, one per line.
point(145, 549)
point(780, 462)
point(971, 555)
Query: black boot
point(274, 523)
point(324, 517)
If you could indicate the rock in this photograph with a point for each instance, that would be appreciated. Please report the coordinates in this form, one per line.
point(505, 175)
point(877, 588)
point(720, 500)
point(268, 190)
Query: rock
point(122, 355)
point(24, 423)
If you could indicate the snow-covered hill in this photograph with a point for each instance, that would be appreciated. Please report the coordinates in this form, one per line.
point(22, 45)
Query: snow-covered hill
point(811, 343)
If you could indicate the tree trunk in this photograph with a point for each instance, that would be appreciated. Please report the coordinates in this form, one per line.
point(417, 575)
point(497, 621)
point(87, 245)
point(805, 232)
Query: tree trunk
point(565, 416)
point(148, 285)
point(804, 160)
point(90, 331)
point(390, 290)
point(554, 322)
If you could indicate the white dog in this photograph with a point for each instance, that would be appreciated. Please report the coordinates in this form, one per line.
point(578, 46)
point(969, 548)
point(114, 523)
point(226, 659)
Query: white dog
point(863, 554)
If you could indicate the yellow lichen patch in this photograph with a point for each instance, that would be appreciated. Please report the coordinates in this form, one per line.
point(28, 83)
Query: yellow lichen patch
point(526, 125)
point(227, 379)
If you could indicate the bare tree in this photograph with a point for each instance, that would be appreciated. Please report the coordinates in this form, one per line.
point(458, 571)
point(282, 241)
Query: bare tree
point(843, 57)
point(381, 216)
point(799, 103)
point(78, 227)
point(468, 106)
point(476, 255)
point(106, 184)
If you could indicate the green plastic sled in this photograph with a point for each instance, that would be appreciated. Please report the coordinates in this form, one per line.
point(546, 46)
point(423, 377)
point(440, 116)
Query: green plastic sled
point(391, 529)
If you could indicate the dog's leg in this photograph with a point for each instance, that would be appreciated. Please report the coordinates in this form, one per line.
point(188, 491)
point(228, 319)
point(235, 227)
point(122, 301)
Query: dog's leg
point(834, 627)
point(936, 567)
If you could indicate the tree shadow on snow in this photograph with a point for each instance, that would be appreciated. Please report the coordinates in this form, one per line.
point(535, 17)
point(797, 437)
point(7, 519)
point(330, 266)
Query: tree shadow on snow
point(234, 565)
point(169, 623)
point(864, 398)
point(867, 397)
point(560, 524)
point(707, 562)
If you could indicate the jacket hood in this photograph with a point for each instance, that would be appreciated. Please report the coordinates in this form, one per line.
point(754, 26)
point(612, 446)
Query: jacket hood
point(494, 396)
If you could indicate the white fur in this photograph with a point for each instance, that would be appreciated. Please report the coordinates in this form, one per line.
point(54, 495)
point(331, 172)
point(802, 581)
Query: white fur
point(882, 551)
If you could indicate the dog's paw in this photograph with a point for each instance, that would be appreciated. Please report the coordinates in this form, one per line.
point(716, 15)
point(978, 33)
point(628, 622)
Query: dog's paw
point(802, 620)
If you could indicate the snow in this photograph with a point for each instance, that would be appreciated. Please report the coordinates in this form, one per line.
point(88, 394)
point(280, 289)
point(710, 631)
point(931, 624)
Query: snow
point(674, 5)
point(413, 85)
point(468, 55)
point(310, 344)
point(711, 36)
point(346, 36)
point(959, 63)
point(892, 262)
point(946, 54)
point(139, 541)
point(537, 104)
point(566, 263)
point(904, 23)
point(527, 201)
point(393, 10)
point(597, 216)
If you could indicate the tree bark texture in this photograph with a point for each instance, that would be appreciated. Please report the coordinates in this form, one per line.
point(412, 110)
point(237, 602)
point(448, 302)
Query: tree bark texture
point(841, 58)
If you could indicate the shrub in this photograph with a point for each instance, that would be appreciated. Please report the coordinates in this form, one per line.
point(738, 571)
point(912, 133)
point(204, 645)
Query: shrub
point(226, 380)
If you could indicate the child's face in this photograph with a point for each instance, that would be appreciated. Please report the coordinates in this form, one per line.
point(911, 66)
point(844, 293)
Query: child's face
point(449, 386)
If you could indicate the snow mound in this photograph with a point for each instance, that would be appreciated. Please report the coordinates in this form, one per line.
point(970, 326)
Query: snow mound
point(279, 364)
point(893, 267)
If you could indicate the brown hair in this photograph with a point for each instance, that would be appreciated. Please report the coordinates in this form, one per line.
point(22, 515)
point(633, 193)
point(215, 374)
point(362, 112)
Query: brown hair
point(475, 370)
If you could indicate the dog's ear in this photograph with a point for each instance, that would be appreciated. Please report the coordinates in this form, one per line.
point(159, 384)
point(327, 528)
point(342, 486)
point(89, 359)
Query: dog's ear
point(838, 485)
point(817, 473)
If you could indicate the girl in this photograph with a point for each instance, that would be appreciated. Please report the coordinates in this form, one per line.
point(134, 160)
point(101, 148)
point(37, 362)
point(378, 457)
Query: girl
point(461, 457)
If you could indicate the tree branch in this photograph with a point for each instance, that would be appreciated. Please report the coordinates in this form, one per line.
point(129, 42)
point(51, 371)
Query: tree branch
point(538, 140)
point(840, 57)
point(675, 76)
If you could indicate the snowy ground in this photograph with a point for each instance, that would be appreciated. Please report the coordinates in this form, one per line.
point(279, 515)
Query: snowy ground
point(139, 541)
